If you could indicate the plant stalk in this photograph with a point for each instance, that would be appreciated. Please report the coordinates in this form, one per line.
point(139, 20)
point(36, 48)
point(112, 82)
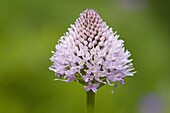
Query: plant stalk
point(90, 101)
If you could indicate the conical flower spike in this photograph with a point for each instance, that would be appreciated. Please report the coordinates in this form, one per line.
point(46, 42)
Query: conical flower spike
point(91, 54)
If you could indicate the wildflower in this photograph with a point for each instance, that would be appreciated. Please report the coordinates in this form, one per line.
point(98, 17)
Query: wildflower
point(91, 54)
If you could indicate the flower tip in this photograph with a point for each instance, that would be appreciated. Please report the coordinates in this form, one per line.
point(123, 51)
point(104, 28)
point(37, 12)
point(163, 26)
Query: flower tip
point(89, 10)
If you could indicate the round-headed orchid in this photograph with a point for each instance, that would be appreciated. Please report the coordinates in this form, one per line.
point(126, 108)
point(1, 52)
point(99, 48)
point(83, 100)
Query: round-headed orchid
point(91, 53)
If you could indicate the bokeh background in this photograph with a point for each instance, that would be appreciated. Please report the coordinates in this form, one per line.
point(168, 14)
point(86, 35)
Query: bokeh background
point(29, 30)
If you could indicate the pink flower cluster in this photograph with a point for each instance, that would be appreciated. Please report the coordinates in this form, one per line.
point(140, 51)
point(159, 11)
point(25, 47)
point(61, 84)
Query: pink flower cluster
point(91, 53)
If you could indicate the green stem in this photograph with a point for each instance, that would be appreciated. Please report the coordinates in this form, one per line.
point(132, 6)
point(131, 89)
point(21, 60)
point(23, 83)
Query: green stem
point(90, 101)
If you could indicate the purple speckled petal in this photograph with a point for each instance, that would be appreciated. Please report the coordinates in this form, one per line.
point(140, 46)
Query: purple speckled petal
point(92, 87)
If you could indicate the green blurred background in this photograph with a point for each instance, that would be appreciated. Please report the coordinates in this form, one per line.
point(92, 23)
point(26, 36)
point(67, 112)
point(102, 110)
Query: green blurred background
point(29, 30)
